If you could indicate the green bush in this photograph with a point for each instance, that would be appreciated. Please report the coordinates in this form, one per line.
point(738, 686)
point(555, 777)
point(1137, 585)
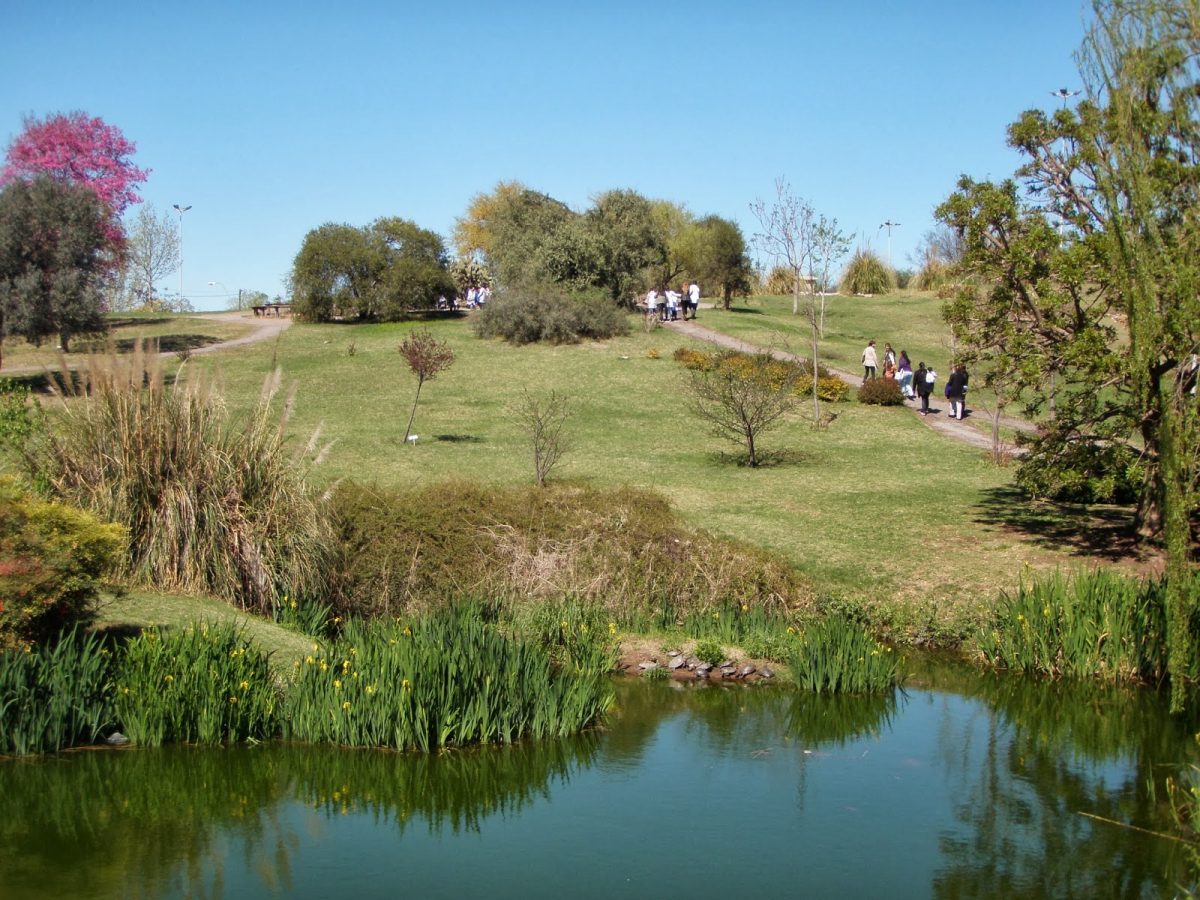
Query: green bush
point(54, 696)
point(836, 655)
point(213, 503)
point(622, 550)
point(831, 390)
point(204, 684)
point(1081, 471)
point(866, 274)
point(881, 392)
point(52, 560)
point(551, 315)
point(709, 651)
point(777, 371)
point(442, 680)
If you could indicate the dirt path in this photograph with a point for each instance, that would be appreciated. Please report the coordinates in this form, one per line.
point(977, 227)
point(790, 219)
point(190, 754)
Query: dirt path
point(265, 328)
point(959, 430)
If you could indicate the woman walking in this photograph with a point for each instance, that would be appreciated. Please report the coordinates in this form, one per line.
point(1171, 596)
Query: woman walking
point(924, 379)
point(956, 391)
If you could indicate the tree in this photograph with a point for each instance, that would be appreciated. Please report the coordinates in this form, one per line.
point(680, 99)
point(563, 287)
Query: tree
point(510, 229)
point(743, 396)
point(628, 240)
point(1110, 229)
point(544, 419)
point(54, 260)
point(808, 244)
point(713, 252)
point(380, 272)
point(74, 148)
point(152, 254)
point(426, 357)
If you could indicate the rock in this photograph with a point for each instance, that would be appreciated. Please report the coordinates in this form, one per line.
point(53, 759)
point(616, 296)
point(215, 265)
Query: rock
point(647, 665)
point(116, 739)
point(747, 670)
point(677, 663)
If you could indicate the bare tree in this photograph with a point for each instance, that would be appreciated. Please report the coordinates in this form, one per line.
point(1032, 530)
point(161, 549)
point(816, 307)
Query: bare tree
point(544, 419)
point(426, 357)
point(808, 245)
point(153, 254)
point(743, 396)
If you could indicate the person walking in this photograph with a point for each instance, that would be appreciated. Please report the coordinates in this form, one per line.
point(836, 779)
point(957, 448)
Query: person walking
point(956, 391)
point(889, 356)
point(870, 361)
point(924, 379)
point(904, 375)
point(694, 298)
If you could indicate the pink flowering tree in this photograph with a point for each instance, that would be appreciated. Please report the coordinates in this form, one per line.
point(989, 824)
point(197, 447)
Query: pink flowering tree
point(75, 148)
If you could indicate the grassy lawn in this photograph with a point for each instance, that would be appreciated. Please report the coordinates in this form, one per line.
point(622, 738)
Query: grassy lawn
point(878, 506)
point(172, 332)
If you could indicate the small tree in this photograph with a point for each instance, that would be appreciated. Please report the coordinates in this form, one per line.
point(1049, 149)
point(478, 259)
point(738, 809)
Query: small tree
point(743, 396)
point(426, 357)
point(544, 419)
point(152, 254)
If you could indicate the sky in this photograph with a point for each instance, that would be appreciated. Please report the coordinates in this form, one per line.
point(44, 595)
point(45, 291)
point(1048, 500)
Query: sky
point(270, 119)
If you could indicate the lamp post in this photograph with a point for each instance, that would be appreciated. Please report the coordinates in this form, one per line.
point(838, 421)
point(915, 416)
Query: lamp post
point(181, 210)
point(1064, 95)
point(221, 285)
point(889, 225)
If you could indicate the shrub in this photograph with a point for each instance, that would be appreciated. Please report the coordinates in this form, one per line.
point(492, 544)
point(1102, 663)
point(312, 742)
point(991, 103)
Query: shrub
point(881, 392)
point(623, 550)
point(551, 315)
point(836, 655)
point(709, 651)
point(54, 696)
point(866, 274)
point(831, 390)
point(442, 680)
point(212, 503)
point(1082, 471)
point(780, 281)
point(52, 560)
point(204, 684)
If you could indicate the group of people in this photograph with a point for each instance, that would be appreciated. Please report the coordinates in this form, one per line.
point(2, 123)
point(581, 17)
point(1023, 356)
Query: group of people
point(667, 304)
point(919, 382)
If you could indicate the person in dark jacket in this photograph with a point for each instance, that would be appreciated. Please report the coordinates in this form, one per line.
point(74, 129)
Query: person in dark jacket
point(923, 381)
point(956, 391)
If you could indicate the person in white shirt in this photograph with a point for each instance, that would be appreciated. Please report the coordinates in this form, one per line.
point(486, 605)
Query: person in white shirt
point(870, 361)
point(693, 298)
point(651, 303)
point(672, 305)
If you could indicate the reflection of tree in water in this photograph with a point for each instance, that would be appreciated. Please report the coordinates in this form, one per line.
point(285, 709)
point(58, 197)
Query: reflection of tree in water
point(138, 822)
point(820, 720)
point(457, 789)
point(1049, 752)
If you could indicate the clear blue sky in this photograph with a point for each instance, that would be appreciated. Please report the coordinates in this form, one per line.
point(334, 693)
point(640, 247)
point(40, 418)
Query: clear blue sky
point(273, 118)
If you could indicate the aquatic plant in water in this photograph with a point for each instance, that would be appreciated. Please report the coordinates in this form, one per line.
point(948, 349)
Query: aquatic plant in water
point(836, 655)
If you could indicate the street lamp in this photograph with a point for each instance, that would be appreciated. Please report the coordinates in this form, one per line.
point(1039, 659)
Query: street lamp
point(228, 293)
point(1064, 95)
point(889, 225)
point(181, 210)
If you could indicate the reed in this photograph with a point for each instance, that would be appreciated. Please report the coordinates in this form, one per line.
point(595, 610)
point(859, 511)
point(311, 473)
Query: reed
point(54, 696)
point(1088, 624)
point(212, 504)
point(836, 655)
point(204, 684)
point(446, 679)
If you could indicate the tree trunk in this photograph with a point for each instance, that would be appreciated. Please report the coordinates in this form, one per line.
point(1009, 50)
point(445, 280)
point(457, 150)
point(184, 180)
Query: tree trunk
point(816, 337)
point(412, 415)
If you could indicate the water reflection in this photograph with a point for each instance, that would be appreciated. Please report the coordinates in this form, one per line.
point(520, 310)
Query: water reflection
point(975, 788)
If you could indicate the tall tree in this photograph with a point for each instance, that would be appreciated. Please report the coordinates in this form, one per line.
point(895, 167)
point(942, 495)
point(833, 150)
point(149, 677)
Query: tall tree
point(713, 252)
point(1111, 229)
point(511, 228)
point(54, 260)
point(75, 148)
point(628, 239)
point(151, 255)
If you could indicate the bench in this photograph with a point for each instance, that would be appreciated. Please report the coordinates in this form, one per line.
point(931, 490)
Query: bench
point(277, 309)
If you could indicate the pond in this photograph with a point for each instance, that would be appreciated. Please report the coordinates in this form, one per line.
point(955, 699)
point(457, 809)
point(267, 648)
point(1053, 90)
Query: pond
point(965, 785)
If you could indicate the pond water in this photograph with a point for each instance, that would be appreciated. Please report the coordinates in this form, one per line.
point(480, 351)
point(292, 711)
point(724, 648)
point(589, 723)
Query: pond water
point(964, 785)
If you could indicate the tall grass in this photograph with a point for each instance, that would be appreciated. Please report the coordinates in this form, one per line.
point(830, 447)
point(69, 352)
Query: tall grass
point(836, 655)
point(55, 696)
point(1089, 624)
point(212, 504)
point(205, 684)
point(445, 679)
point(866, 273)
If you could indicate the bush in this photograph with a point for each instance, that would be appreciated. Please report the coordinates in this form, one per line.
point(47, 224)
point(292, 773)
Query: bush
point(776, 370)
point(1081, 471)
point(52, 560)
point(831, 389)
point(623, 550)
point(551, 315)
point(881, 392)
point(212, 504)
point(709, 651)
point(866, 274)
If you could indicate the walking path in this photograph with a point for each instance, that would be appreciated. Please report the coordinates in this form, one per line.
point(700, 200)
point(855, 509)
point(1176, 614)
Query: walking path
point(264, 328)
point(953, 428)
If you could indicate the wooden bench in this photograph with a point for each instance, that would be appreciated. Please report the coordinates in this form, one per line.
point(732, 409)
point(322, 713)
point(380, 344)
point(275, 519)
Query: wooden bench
point(268, 309)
